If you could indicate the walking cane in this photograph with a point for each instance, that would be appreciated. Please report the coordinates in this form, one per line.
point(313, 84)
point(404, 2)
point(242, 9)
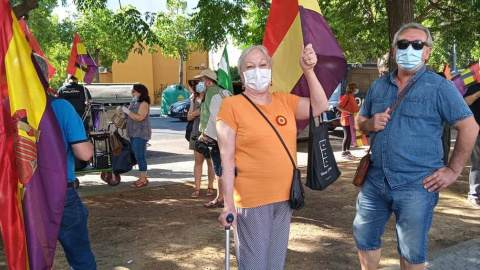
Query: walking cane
point(227, 242)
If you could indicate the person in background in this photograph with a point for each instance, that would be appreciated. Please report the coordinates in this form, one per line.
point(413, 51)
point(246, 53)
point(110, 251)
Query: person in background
point(213, 99)
point(194, 115)
point(73, 234)
point(139, 129)
point(78, 95)
point(407, 171)
point(446, 136)
point(258, 196)
point(348, 106)
point(472, 99)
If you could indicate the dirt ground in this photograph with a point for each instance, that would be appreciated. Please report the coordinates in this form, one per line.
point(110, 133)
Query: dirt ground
point(162, 228)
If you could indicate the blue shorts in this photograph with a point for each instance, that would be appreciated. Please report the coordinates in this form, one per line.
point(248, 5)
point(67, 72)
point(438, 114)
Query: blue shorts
point(413, 207)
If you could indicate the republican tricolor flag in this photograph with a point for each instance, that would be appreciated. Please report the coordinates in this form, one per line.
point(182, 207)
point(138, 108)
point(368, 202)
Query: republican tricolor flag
point(290, 25)
point(81, 63)
point(467, 78)
point(32, 155)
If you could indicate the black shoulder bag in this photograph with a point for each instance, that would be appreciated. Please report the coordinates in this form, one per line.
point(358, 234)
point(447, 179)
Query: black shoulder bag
point(297, 194)
point(322, 169)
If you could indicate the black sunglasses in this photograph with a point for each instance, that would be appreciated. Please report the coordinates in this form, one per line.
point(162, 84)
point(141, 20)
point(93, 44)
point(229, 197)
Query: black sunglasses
point(416, 44)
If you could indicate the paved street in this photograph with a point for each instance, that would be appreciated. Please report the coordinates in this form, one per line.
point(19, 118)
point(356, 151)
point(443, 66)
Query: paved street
point(170, 161)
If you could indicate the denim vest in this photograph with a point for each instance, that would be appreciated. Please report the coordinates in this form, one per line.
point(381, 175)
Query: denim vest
point(410, 147)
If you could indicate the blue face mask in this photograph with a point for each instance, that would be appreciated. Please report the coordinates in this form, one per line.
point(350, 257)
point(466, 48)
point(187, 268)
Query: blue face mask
point(134, 99)
point(200, 87)
point(409, 59)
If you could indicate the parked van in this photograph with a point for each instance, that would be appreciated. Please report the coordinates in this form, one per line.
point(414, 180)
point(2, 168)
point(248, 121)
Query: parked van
point(363, 75)
point(111, 93)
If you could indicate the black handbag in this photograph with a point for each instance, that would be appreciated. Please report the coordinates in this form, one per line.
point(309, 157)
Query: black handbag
point(188, 130)
point(322, 169)
point(297, 193)
point(123, 160)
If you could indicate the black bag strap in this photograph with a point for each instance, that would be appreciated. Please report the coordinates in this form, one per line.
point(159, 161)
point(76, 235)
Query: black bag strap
point(402, 95)
point(274, 129)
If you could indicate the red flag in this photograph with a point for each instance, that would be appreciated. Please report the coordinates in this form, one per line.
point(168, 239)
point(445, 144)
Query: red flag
point(32, 42)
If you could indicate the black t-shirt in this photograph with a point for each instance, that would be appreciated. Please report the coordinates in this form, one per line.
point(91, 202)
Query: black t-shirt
point(475, 107)
point(76, 94)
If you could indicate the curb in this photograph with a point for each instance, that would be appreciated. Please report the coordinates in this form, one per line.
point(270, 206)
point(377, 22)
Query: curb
point(443, 252)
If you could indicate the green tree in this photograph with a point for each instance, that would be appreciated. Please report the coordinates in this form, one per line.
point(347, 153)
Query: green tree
point(173, 31)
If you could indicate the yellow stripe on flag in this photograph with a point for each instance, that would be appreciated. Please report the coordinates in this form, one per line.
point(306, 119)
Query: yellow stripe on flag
point(285, 77)
point(24, 87)
point(309, 4)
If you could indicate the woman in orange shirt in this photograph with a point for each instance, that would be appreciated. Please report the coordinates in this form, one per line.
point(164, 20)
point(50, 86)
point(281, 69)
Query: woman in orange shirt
point(348, 106)
point(258, 195)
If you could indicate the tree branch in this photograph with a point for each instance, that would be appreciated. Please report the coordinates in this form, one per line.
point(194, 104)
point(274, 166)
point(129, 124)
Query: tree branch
point(443, 10)
point(422, 16)
point(21, 9)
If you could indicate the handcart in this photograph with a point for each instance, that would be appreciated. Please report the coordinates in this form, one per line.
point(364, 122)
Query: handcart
point(99, 135)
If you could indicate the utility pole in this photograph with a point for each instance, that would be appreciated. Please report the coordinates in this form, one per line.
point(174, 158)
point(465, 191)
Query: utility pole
point(454, 65)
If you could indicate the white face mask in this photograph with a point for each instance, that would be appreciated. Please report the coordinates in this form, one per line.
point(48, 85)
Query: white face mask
point(258, 79)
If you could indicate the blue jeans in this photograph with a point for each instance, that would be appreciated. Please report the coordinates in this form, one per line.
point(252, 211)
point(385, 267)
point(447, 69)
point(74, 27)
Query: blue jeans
point(474, 177)
point(73, 234)
point(139, 147)
point(413, 207)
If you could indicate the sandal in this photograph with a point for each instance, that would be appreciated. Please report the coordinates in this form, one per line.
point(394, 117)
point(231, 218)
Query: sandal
point(214, 204)
point(196, 193)
point(141, 184)
point(210, 192)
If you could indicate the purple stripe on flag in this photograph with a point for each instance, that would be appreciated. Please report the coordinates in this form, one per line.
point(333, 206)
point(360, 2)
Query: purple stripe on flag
point(45, 194)
point(331, 64)
point(85, 59)
point(459, 84)
point(91, 70)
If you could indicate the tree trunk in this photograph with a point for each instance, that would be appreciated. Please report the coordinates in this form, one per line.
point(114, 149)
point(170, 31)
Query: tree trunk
point(180, 68)
point(399, 12)
point(21, 9)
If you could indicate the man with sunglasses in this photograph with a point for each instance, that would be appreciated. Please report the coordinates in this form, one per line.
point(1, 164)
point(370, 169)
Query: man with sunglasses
point(407, 169)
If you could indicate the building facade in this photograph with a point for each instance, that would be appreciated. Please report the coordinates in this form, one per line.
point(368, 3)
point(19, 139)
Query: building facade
point(155, 71)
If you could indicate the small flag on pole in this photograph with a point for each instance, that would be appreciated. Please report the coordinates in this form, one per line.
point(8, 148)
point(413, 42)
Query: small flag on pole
point(81, 63)
point(224, 74)
point(467, 77)
point(359, 139)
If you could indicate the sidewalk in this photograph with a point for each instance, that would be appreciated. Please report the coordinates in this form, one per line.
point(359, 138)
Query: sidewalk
point(464, 256)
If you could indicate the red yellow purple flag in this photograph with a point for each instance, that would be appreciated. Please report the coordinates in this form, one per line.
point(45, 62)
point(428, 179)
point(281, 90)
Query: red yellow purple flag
point(32, 42)
point(467, 77)
point(291, 24)
point(33, 182)
point(81, 64)
point(359, 139)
